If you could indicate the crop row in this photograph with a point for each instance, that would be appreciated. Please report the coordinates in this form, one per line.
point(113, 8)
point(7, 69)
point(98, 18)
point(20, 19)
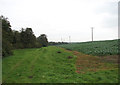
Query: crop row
point(99, 48)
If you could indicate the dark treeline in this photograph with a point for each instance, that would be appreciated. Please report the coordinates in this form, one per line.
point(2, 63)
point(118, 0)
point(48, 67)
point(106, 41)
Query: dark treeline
point(12, 39)
point(57, 43)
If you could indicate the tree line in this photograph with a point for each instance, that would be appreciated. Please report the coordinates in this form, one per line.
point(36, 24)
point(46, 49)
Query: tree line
point(57, 43)
point(25, 38)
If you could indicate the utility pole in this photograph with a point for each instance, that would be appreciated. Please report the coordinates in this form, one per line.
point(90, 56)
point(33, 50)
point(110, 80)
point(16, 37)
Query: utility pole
point(92, 32)
point(69, 39)
point(61, 39)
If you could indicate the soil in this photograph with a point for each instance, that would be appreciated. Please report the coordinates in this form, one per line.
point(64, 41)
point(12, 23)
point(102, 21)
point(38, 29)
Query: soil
point(58, 52)
point(69, 57)
point(110, 58)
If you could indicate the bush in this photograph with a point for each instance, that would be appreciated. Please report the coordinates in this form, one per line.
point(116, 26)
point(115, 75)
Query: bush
point(6, 48)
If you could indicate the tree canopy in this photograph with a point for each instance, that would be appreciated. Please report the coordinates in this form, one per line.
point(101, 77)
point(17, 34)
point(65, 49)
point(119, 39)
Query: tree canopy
point(43, 40)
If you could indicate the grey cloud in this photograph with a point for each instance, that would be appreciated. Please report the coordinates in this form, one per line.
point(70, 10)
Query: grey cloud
point(109, 7)
point(110, 22)
point(111, 19)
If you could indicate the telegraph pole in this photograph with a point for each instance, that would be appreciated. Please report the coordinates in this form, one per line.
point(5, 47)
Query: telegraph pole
point(92, 32)
point(61, 39)
point(69, 39)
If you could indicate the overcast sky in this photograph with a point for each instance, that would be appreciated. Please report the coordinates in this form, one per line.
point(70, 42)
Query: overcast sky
point(63, 18)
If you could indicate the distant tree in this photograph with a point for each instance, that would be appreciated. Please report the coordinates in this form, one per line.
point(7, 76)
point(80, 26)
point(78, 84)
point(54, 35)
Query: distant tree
point(57, 43)
point(42, 39)
point(23, 38)
point(28, 39)
point(17, 43)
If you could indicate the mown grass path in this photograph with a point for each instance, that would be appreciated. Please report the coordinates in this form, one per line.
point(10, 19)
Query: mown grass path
point(34, 65)
point(23, 60)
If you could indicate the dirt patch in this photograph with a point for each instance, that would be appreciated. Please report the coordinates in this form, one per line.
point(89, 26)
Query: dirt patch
point(69, 57)
point(68, 49)
point(86, 63)
point(59, 52)
point(110, 58)
point(30, 76)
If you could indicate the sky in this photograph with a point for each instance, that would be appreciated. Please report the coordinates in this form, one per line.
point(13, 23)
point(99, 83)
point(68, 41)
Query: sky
point(59, 19)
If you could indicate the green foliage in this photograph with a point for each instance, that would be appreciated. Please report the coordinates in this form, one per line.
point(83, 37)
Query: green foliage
point(6, 48)
point(43, 40)
point(45, 65)
point(99, 48)
point(17, 40)
point(28, 39)
point(7, 36)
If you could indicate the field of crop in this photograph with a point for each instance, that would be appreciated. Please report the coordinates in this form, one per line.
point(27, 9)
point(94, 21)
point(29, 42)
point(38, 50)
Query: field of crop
point(56, 65)
point(98, 48)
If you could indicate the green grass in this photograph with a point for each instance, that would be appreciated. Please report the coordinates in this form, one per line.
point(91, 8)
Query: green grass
point(97, 48)
point(45, 65)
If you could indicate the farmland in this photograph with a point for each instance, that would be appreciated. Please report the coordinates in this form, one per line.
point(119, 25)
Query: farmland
point(56, 65)
point(97, 48)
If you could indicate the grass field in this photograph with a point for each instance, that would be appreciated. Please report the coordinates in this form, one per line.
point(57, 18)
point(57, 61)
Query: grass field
point(98, 48)
point(56, 65)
